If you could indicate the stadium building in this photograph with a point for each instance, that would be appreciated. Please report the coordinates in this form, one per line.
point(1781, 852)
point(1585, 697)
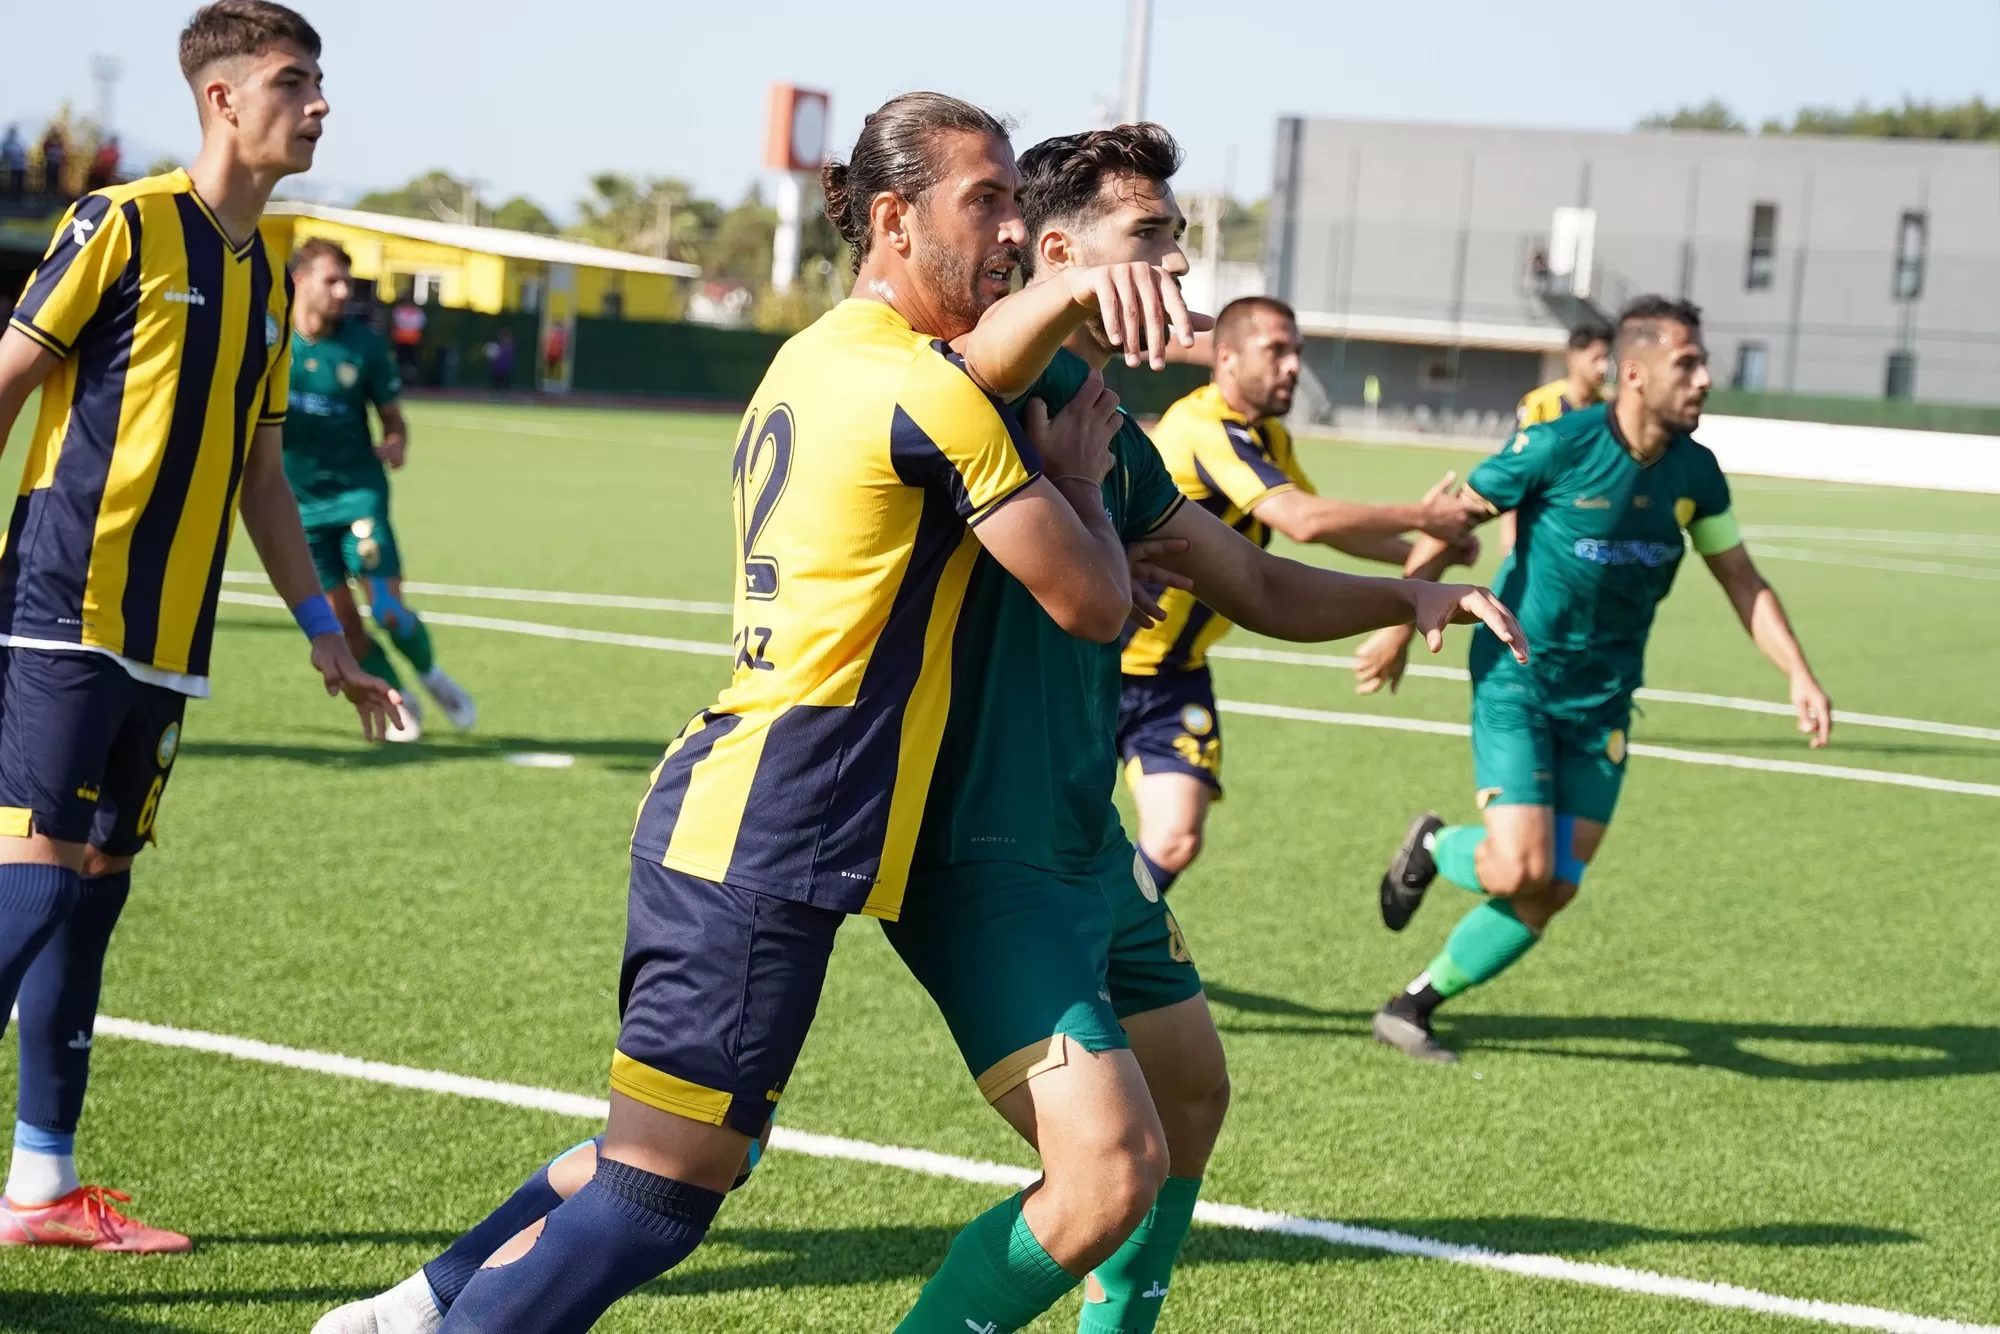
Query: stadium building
point(1442, 263)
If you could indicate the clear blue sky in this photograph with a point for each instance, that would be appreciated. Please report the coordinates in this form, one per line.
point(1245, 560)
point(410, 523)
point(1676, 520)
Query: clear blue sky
point(532, 103)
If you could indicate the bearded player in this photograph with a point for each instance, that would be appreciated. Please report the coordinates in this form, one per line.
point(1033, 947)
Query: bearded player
point(1606, 500)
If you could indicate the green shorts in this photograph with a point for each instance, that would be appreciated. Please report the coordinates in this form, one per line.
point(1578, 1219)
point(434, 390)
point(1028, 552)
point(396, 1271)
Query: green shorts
point(361, 548)
point(1018, 958)
point(1524, 756)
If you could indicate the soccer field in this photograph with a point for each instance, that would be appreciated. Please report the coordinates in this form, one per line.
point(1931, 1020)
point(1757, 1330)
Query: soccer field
point(1760, 1051)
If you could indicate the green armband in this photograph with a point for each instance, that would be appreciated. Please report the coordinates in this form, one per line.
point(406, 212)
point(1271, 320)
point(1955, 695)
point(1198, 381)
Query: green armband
point(1717, 533)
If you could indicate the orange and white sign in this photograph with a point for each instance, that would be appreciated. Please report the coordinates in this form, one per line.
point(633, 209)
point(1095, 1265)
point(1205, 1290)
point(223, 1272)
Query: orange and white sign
point(796, 137)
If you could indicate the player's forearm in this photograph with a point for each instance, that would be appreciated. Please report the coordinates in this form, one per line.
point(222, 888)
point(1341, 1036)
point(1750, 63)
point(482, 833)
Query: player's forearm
point(271, 514)
point(395, 427)
point(1337, 522)
point(24, 364)
point(1106, 565)
point(1771, 630)
point(1374, 546)
point(1287, 599)
point(1428, 559)
point(1017, 337)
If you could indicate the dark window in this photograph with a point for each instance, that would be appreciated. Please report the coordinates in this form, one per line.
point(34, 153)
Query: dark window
point(614, 305)
point(1901, 381)
point(1752, 360)
point(1437, 374)
point(1763, 247)
point(1912, 245)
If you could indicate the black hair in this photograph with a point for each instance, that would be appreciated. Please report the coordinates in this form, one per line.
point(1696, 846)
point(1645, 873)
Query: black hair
point(1062, 179)
point(896, 153)
point(1588, 332)
point(1643, 320)
point(1236, 317)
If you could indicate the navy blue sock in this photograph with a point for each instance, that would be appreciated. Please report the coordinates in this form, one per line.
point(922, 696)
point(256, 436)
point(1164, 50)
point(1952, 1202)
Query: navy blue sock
point(34, 901)
point(59, 1007)
point(535, 1199)
point(625, 1228)
point(1145, 869)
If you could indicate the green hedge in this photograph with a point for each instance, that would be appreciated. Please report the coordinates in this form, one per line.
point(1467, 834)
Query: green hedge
point(1899, 413)
point(670, 360)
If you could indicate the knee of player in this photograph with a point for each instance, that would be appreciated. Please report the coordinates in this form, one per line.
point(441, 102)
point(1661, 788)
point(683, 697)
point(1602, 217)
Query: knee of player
point(1127, 1184)
point(1514, 872)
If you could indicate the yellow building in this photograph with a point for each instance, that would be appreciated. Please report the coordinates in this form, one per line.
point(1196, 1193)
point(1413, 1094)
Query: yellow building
point(487, 269)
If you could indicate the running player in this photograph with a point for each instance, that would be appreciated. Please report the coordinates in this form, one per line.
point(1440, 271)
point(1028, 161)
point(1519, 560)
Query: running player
point(1063, 976)
point(1227, 448)
point(155, 327)
point(867, 461)
point(1605, 496)
point(339, 368)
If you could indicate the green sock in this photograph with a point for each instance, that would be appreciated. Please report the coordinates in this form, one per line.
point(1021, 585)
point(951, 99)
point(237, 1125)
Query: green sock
point(1455, 849)
point(995, 1279)
point(1484, 944)
point(377, 664)
point(1135, 1279)
point(413, 642)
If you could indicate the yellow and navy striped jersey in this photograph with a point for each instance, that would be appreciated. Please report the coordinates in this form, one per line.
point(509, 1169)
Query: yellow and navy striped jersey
point(1228, 465)
point(865, 457)
point(175, 346)
point(1546, 403)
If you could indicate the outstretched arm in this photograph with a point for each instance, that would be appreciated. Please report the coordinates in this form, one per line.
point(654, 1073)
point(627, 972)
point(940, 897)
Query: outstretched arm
point(1757, 606)
point(1287, 599)
point(1367, 530)
point(1017, 337)
point(272, 516)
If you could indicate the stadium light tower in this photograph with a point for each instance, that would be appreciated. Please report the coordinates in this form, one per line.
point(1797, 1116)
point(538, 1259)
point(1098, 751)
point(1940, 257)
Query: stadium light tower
point(105, 71)
point(794, 144)
point(1138, 50)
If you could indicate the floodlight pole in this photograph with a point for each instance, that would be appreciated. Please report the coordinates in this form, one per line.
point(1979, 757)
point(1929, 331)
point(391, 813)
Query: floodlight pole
point(105, 71)
point(791, 226)
point(1138, 45)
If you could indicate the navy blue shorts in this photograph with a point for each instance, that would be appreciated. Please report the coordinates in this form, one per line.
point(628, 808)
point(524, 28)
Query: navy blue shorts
point(85, 750)
point(1167, 725)
point(719, 988)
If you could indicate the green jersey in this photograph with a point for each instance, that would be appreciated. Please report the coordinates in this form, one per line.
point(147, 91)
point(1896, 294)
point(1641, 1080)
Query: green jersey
point(1029, 758)
point(329, 452)
point(1598, 542)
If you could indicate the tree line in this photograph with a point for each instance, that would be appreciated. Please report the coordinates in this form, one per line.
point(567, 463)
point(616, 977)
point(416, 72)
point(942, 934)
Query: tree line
point(1974, 120)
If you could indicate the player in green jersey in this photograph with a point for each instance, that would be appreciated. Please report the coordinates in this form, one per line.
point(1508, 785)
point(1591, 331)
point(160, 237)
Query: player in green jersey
point(1063, 976)
point(340, 367)
point(1602, 499)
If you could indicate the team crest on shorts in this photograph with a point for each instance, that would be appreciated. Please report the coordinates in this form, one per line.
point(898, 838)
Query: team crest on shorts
point(347, 373)
point(1614, 745)
point(170, 745)
point(1143, 878)
point(1177, 949)
point(1197, 721)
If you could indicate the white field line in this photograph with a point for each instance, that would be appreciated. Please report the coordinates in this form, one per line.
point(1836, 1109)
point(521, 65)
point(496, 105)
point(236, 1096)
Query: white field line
point(1383, 722)
point(1891, 563)
point(1709, 757)
point(1288, 657)
point(1889, 537)
point(927, 1163)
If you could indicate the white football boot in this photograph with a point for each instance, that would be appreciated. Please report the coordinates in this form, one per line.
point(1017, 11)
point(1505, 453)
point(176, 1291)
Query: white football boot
point(451, 697)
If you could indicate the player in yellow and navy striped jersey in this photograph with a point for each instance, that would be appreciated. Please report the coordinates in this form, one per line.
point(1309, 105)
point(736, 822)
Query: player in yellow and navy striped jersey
point(156, 327)
point(1586, 365)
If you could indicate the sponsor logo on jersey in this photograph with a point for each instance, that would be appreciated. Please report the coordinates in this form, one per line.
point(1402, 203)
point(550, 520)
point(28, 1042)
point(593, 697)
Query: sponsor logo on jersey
point(347, 373)
point(1520, 442)
point(191, 297)
point(1652, 555)
point(170, 745)
point(80, 230)
point(1642, 502)
point(1593, 502)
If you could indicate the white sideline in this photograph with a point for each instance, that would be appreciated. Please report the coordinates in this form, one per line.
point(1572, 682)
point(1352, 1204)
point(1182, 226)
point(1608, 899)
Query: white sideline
point(1286, 656)
point(1555, 1267)
point(1383, 722)
point(1709, 757)
point(1929, 567)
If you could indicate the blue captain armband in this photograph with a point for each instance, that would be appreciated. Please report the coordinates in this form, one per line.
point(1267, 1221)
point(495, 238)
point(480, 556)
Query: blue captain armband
point(315, 617)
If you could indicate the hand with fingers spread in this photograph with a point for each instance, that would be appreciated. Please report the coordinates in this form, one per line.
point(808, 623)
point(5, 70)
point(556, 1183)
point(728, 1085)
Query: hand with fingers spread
point(379, 705)
point(1439, 605)
point(1148, 577)
point(1815, 710)
point(1076, 442)
point(1449, 514)
point(1136, 305)
point(1381, 660)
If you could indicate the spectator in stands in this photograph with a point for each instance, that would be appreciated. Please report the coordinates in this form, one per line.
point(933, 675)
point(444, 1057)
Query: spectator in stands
point(500, 360)
point(55, 157)
point(104, 166)
point(13, 164)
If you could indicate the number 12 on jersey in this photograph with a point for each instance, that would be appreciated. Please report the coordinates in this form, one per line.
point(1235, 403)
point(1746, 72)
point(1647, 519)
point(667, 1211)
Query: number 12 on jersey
point(758, 473)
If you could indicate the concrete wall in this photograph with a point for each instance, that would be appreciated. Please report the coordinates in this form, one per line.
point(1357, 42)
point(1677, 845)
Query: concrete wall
point(1435, 222)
